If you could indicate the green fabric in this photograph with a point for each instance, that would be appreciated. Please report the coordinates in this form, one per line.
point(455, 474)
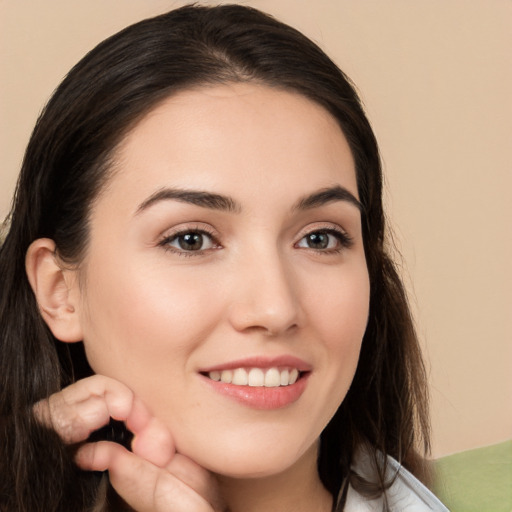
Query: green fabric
point(477, 480)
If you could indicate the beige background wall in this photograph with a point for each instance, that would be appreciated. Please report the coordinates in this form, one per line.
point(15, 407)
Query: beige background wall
point(436, 79)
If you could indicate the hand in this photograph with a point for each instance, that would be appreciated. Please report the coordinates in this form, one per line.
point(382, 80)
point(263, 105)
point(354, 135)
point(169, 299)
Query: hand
point(153, 477)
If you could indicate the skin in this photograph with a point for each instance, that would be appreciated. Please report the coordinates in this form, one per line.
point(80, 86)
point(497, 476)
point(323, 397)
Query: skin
point(154, 315)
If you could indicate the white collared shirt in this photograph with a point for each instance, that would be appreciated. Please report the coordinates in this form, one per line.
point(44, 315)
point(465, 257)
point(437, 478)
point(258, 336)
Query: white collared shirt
point(406, 494)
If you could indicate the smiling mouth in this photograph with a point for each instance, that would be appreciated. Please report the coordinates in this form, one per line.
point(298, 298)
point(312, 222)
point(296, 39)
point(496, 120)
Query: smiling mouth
point(256, 377)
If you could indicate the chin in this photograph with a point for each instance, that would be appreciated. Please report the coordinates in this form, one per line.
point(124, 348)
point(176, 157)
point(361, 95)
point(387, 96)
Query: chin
point(243, 469)
point(251, 457)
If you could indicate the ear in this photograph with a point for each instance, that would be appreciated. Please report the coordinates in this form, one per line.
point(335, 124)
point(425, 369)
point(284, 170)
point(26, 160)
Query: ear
point(56, 290)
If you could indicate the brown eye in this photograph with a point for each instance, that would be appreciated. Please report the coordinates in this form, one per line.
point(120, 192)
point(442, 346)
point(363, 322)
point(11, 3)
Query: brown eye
point(318, 240)
point(325, 240)
point(190, 241)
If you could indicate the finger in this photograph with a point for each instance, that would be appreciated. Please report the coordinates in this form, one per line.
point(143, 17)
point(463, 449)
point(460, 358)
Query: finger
point(141, 484)
point(117, 397)
point(73, 422)
point(197, 478)
point(153, 442)
point(98, 456)
point(87, 405)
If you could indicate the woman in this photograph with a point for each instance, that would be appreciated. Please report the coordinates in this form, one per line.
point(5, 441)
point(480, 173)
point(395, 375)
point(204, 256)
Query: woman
point(197, 249)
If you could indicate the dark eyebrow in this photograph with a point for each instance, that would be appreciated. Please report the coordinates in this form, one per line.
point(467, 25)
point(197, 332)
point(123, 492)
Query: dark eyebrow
point(195, 197)
point(327, 195)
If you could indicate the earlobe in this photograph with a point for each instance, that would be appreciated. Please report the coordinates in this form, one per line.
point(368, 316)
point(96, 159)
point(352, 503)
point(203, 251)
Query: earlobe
point(56, 290)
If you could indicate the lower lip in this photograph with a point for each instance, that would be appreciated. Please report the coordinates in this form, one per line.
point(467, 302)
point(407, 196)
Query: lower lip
point(261, 397)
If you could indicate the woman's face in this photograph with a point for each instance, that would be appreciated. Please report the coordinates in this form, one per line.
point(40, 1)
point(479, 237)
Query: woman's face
point(227, 245)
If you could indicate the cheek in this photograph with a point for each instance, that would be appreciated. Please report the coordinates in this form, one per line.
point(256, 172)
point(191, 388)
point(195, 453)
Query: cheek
point(341, 309)
point(136, 324)
point(341, 318)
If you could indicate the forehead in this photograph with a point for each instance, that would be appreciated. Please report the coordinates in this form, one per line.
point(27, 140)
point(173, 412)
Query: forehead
point(223, 136)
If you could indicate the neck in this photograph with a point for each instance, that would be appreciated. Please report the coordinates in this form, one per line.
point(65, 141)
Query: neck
point(297, 489)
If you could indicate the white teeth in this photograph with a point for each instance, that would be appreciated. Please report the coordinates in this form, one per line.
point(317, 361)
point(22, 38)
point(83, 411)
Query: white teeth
point(272, 378)
point(240, 377)
point(214, 376)
point(226, 376)
point(294, 375)
point(256, 377)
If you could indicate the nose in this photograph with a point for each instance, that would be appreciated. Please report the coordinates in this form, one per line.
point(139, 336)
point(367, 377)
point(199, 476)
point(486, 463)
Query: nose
point(265, 297)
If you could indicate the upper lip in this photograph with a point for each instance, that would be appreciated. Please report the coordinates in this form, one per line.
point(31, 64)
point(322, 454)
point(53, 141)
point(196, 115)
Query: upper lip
point(263, 362)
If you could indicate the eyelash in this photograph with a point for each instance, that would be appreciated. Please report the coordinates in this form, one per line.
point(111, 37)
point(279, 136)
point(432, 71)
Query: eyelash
point(344, 240)
point(166, 241)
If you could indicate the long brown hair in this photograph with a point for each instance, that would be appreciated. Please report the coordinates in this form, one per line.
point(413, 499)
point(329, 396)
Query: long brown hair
point(68, 161)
